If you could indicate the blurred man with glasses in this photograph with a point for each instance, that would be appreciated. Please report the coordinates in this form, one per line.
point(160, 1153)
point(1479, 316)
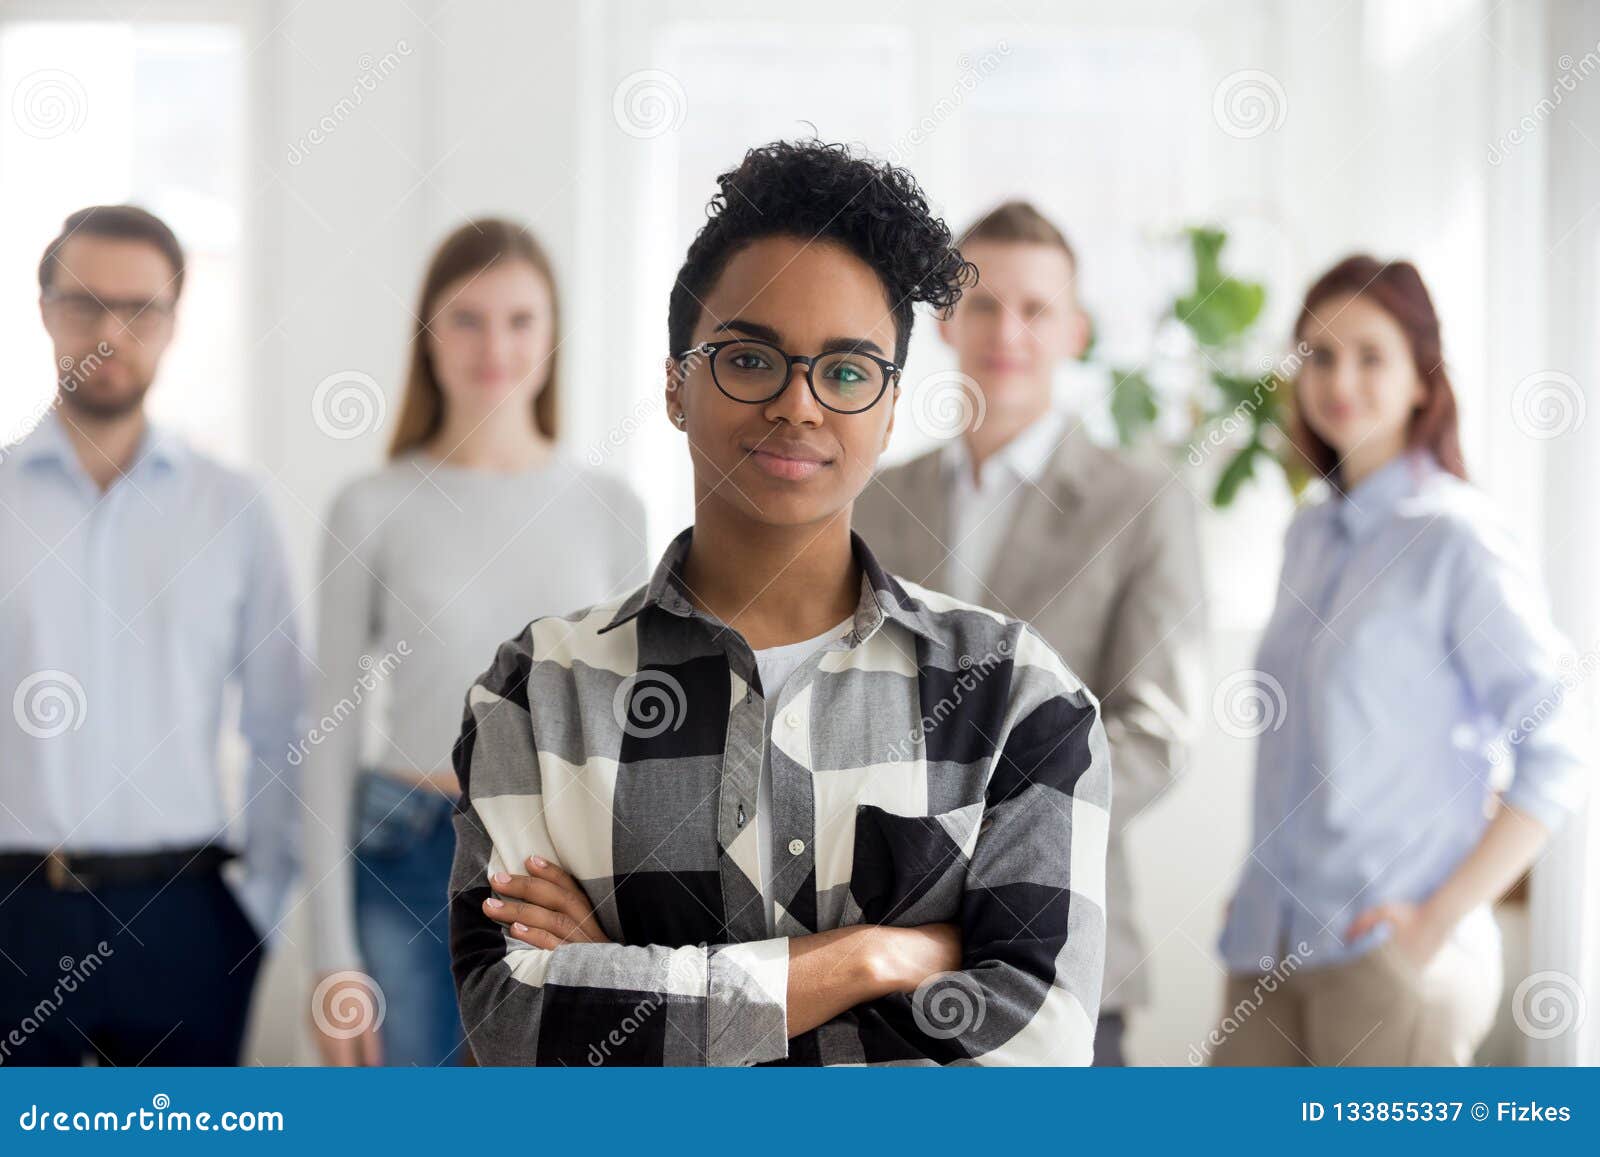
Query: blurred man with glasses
point(1024, 514)
point(139, 581)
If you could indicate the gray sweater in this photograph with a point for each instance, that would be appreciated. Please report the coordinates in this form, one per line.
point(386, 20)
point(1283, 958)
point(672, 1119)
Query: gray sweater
point(427, 568)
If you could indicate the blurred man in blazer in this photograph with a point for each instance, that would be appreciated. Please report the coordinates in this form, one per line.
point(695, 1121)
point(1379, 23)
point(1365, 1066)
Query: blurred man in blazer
point(1023, 514)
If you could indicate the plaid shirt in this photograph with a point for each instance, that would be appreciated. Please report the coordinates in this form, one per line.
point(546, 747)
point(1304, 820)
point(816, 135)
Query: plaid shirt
point(938, 763)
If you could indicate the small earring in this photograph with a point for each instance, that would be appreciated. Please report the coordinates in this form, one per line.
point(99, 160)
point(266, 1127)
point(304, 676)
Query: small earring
point(679, 419)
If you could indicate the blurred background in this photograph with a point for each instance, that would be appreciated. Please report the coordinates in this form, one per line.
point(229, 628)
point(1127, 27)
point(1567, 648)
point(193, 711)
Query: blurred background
point(309, 155)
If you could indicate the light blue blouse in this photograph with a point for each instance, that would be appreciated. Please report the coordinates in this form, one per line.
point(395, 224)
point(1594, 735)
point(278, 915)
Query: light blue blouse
point(1408, 666)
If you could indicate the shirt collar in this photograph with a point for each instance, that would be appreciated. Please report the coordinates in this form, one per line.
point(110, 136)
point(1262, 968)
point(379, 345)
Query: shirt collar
point(49, 442)
point(882, 596)
point(1374, 498)
point(1026, 455)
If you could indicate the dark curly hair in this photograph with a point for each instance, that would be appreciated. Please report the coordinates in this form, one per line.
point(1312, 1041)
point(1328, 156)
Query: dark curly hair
point(814, 191)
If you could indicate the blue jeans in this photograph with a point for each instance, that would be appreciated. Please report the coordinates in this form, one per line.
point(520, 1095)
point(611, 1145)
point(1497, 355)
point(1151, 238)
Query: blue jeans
point(404, 845)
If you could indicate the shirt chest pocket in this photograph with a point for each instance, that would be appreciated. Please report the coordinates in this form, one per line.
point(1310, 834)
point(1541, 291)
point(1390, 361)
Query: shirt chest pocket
point(909, 870)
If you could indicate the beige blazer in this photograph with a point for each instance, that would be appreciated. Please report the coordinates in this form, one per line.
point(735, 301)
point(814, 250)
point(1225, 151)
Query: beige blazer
point(1102, 558)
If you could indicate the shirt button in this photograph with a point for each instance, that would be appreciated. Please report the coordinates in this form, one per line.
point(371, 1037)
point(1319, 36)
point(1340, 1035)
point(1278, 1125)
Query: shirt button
point(796, 847)
point(792, 720)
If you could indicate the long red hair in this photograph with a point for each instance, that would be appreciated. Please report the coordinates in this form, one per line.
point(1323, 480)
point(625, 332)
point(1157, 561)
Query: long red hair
point(1397, 288)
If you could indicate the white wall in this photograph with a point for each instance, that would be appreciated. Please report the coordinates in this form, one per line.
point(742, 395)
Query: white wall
point(507, 107)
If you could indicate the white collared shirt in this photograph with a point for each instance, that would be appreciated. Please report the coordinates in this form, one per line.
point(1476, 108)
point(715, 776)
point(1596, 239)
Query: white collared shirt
point(125, 614)
point(982, 511)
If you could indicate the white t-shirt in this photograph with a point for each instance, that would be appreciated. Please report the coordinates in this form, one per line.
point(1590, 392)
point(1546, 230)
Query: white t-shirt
point(776, 664)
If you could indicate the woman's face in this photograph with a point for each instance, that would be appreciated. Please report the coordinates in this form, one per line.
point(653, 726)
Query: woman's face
point(492, 333)
point(1358, 386)
point(790, 461)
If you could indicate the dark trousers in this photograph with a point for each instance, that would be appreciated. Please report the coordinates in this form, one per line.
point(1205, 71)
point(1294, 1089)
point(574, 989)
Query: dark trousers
point(155, 973)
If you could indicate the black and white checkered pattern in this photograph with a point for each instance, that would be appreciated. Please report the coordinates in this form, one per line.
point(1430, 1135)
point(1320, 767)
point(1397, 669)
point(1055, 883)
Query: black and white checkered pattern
point(938, 763)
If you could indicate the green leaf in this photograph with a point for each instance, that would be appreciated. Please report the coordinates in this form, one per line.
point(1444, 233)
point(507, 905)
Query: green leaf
point(1133, 404)
point(1206, 244)
point(1239, 470)
point(1221, 312)
point(1221, 307)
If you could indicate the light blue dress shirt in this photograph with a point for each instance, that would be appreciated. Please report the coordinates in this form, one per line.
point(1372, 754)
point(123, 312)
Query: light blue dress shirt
point(1410, 644)
point(124, 617)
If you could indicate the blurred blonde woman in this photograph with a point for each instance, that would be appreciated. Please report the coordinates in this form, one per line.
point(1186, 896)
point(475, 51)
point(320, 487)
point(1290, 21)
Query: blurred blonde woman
point(477, 522)
point(1410, 643)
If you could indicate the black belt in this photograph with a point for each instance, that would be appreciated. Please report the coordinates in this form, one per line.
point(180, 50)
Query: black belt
point(84, 871)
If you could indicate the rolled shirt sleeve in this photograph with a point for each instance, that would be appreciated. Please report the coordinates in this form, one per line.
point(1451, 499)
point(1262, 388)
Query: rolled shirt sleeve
point(1522, 673)
point(1032, 918)
point(581, 1004)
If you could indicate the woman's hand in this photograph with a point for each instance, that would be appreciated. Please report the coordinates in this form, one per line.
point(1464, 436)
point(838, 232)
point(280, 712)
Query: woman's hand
point(1417, 933)
point(546, 908)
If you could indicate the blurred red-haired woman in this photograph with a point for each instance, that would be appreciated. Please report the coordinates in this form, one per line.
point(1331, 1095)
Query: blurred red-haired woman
point(1408, 647)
